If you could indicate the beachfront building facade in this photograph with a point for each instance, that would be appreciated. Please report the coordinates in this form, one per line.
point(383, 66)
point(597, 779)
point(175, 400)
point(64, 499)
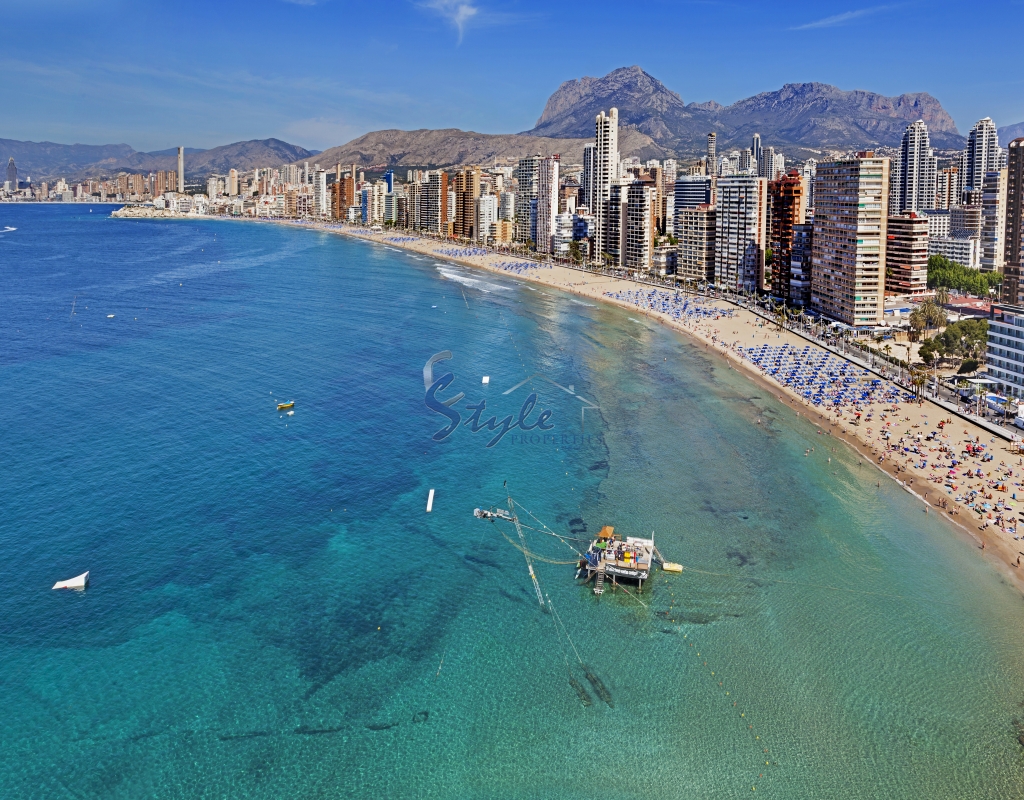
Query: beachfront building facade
point(851, 200)
point(695, 252)
point(606, 161)
point(434, 203)
point(1004, 353)
point(906, 254)
point(467, 192)
point(526, 194)
point(486, 215)
point(1013, 226)
point(547, 203)
point(640, 226)
point(800, 265)
point(741, 202)
point(613, 246)
point(786, 196)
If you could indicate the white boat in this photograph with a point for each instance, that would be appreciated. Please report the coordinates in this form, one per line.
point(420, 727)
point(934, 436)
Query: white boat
point(74, 583)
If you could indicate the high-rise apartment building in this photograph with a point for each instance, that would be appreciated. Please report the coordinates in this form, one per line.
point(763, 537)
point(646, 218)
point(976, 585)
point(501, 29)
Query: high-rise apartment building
point(12, 174)
point(321, 199)
point(589, 177)
point(526, 193)
point(641, 198)
point(947, 187)
point(800, 259)
point(434, 203)
point(613, 249)
point(606, 158)
point(851, 199)
point(786, 198)
point(982, 154)
point(807, 173)
point(913, 188)
point(486, 215)
point(711, 156)
point(993, 220)
point(1013, 225)
point(232, 182)
point(741, 202)
point(467, 192)
point(181, 169)
point(507, 206)
point(757, 156)
point(547, 203)
point(906, 254)
point(695, 232)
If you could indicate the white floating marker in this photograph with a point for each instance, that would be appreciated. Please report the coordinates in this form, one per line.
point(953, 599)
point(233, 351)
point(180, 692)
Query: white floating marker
point(430, 501)
point(487, 379)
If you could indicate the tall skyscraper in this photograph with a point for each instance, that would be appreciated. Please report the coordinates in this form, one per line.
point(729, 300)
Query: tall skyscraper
point(786, 196)
point(12, 174)
point(741, 202)
point(993, 220)
point(467, 191)
point(983, 153)
point(711, 157)
point(1013, 233)
point(851, 197)
point(695, 230)
point(547, 202)
point(800, 259)
point(947, 187)
point(486, 215)
point(606, 140)
point(906, 254)
point(915, 182)
point(588, 178)
point(233, 182)
point(434, 203)
point(181, 169)
point(757, 157)
point(640, 201)
point(526, 177)
point(766, 166)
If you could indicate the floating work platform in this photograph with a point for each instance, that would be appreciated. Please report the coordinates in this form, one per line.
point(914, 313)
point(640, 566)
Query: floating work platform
point(612, 557)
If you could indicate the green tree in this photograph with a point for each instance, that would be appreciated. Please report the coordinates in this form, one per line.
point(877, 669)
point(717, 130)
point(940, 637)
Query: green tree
point(946, 274)
point(575, 253)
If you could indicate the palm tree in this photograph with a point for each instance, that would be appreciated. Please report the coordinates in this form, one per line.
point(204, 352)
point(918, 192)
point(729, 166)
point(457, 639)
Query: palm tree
point(941, 295)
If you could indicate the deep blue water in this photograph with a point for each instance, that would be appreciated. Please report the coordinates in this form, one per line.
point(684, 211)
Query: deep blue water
point(273, 614)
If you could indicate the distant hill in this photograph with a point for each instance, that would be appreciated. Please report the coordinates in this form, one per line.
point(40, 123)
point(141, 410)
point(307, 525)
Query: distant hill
point(45, 160)
point(452, 147)
point(806, 116)
point(1010, 132)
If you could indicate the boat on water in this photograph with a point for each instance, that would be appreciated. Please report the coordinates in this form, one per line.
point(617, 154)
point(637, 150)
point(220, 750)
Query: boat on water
point(78, 582)
point(285, 406)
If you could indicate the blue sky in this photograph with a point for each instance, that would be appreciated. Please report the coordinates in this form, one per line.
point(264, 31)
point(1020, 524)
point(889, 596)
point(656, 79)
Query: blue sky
point(320, 72)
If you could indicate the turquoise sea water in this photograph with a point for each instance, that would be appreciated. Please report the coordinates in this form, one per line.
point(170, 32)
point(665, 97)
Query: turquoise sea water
point(273, 614)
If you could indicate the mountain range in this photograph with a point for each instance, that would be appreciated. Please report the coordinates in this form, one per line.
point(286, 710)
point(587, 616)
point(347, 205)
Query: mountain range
point(800, 119)
point(43, 160)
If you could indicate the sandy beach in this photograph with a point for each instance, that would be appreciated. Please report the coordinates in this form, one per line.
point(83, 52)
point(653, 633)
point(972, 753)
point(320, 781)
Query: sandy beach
point(732, 330)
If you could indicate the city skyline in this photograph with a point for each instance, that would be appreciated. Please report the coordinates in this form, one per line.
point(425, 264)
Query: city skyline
point(225, 81)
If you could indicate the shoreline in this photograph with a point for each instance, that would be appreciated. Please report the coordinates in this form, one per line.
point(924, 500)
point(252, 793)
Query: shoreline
point(999, 546)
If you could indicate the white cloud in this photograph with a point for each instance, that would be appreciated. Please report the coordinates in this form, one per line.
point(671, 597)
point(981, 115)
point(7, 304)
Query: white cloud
point(840, 19)
point(457, 12)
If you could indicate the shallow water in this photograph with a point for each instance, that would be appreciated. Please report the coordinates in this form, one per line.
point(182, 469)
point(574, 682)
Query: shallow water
point(273, 614)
